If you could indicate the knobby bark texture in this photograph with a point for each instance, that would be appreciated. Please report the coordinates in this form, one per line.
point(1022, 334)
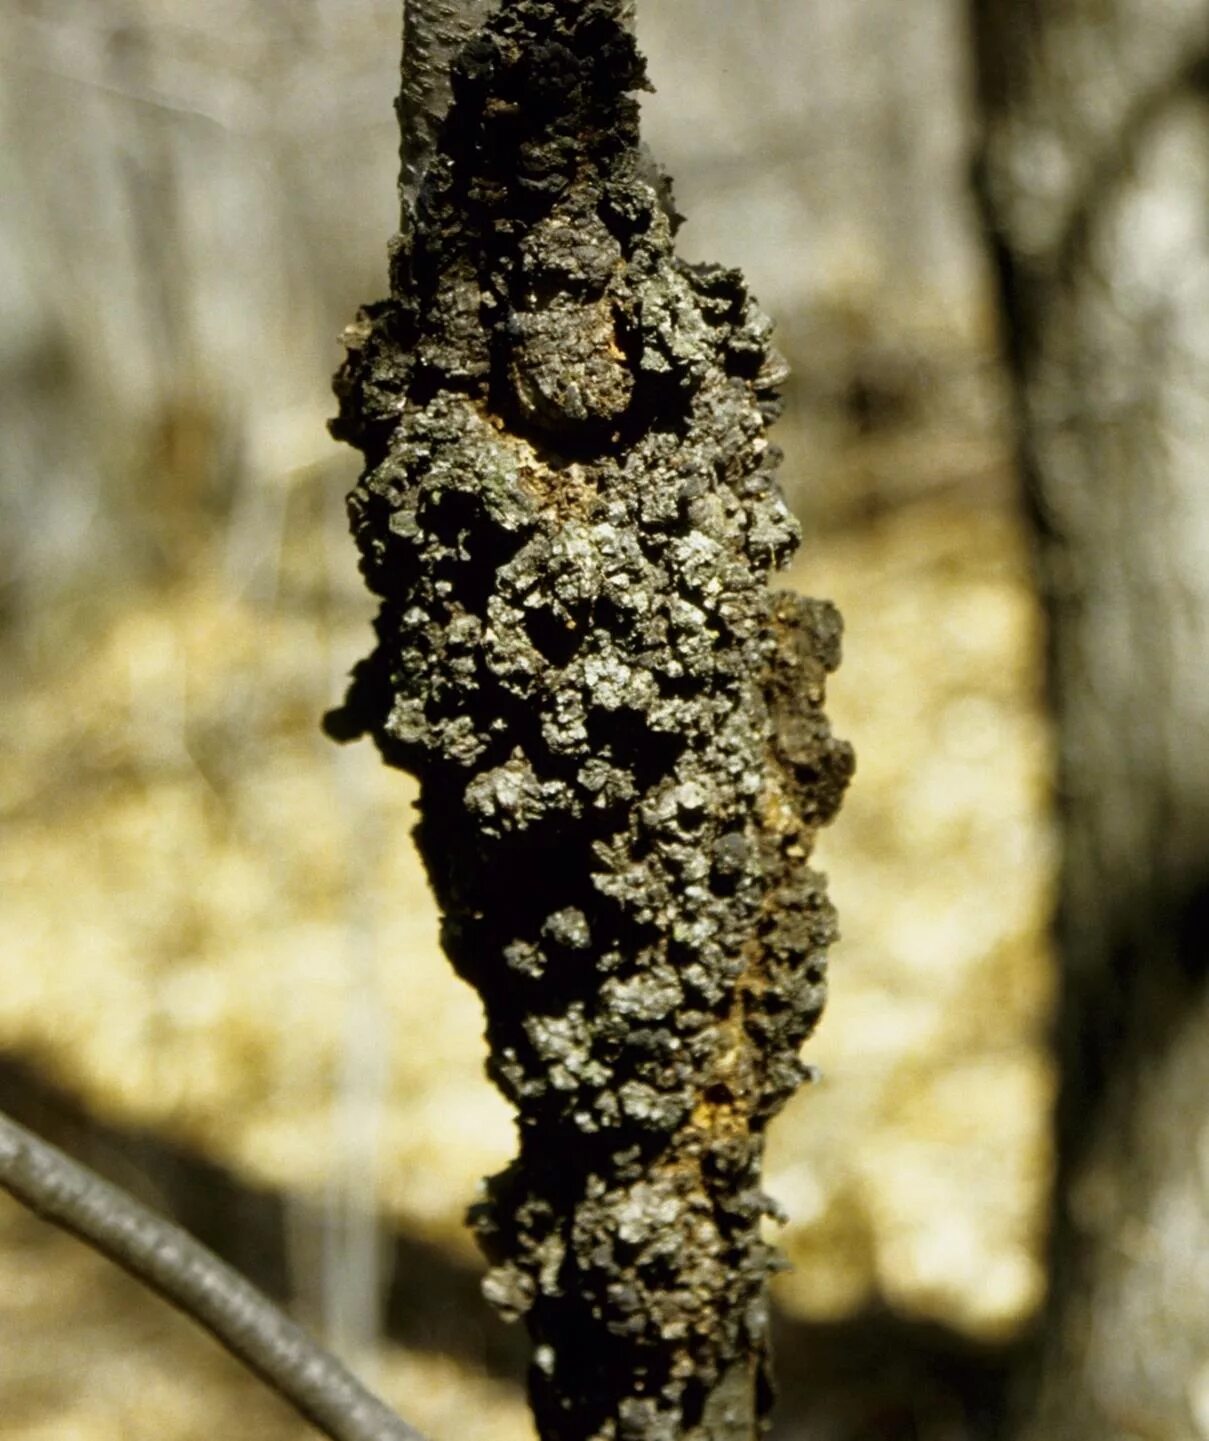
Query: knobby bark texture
point(1094, 171)
point(569, 511)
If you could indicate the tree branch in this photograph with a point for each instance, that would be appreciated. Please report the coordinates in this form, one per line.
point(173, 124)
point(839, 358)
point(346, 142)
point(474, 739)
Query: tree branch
point(570, 511)
point(170, 1262)
point(433, 33)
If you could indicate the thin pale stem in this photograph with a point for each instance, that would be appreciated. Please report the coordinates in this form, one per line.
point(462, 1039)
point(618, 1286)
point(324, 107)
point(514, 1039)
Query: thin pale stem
point(178, 1268)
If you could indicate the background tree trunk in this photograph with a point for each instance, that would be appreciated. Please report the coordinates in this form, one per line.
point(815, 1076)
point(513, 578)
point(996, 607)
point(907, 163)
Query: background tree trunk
point(1094, 173)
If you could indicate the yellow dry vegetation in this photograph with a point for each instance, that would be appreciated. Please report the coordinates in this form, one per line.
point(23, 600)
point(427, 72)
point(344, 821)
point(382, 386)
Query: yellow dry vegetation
point(214, 928)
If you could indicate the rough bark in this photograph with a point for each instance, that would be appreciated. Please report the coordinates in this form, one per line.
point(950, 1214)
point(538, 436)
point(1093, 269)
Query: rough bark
point(569, 509)
point(1094, 172)
point(434, 33)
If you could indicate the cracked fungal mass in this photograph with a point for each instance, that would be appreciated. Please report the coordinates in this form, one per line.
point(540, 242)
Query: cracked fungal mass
point(568, 510)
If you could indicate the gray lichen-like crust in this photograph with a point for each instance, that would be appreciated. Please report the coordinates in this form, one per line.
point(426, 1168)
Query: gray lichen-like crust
point(569, 510)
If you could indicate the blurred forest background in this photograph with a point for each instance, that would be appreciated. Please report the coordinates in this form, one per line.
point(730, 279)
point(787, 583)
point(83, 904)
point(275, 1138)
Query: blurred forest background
point(219, 979)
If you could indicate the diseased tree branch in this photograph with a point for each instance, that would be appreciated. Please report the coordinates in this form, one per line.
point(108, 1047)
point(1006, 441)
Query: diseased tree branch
point(434, 31)
point(569, 510)
point(180, 1269)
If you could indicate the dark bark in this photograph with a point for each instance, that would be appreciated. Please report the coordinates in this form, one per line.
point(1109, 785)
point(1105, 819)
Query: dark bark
point(434, 31)
point(1093, 172)
point(569, 510)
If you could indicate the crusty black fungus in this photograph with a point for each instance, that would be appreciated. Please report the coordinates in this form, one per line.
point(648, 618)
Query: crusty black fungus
point(569, 511)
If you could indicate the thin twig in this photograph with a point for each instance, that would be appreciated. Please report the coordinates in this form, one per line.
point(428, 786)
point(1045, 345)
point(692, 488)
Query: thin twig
point(170, 1262)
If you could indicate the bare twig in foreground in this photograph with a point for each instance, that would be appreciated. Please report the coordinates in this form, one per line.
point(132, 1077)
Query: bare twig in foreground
point(187, 1275)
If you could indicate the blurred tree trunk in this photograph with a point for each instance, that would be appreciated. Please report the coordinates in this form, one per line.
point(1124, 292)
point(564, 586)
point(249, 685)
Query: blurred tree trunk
point(1094, 172)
